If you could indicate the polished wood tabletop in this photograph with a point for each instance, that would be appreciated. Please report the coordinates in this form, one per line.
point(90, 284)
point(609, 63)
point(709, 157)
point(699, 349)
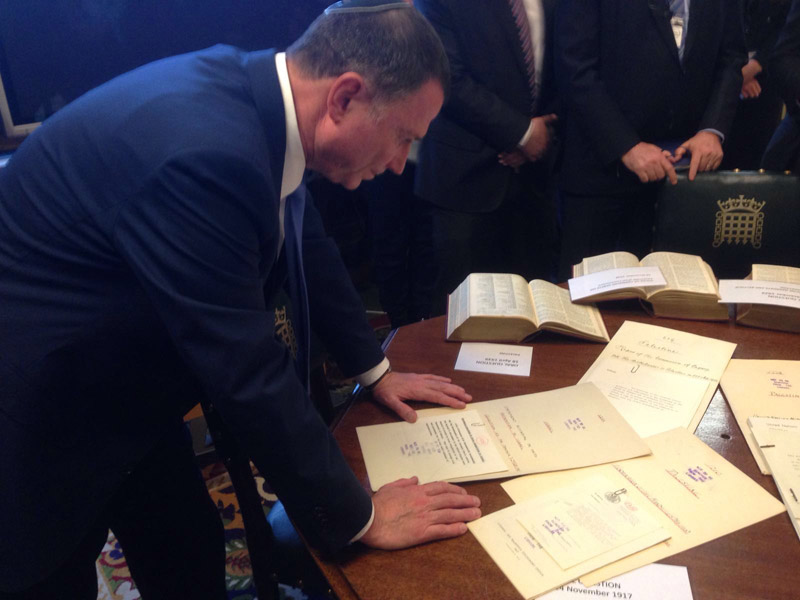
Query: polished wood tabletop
point(759, 562)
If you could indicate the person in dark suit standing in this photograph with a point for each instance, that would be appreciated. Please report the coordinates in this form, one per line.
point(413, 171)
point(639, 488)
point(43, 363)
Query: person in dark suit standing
point(143, 231)
point(485, 165)
point(638, 80)
point(783, 151)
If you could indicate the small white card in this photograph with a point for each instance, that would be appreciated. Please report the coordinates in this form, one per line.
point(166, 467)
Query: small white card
point(776, 293)
point(504, 359)
point(612, 280)
point(653, 582)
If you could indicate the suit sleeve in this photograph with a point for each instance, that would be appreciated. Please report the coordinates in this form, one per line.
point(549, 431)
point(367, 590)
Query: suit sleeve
point(337, 314)
point(201, 238)
point(731, 57)
point(785, 65)
point(580, 85)
point(471, 104)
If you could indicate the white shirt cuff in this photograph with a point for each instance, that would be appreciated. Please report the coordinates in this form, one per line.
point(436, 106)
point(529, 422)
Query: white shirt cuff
point(527, 135)
point(366, 527)
point(375, 373)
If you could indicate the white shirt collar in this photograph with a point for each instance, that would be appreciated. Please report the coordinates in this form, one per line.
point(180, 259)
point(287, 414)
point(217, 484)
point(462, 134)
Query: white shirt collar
point(294, 164)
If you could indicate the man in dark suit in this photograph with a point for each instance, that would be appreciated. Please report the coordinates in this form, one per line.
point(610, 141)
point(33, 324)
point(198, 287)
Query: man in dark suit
point(485, 164)
point(638, 81)
point(783, 151)
point(142, 234)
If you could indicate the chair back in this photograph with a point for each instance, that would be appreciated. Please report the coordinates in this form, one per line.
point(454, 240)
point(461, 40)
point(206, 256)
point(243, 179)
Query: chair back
point(731, 219)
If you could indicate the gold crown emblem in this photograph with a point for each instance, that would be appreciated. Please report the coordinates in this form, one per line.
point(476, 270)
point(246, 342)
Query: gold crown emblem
point(741, 204)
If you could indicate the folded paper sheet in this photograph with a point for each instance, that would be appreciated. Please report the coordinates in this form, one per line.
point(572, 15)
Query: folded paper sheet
point(698, 495)
point(561, 429)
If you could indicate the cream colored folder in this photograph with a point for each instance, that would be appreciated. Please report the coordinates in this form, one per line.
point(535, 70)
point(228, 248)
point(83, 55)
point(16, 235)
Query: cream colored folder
point(762, 388)
point(699, 496)
point(570, 427)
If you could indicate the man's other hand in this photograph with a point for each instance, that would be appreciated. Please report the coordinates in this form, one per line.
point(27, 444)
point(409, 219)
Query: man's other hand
point(541, 135)
point(407, 514)
point(649, 163)
point(393, 390)
point(706, 151)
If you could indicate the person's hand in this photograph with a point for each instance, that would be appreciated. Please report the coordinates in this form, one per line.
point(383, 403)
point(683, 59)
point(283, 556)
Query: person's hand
point(540, 138)
point(649, 163)
point(706, 151)
point(514, 159)
point(407, 514)
point(751, 89)
point(395, 388)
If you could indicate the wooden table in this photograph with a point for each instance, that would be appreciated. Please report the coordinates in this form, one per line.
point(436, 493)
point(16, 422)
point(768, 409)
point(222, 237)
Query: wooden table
point(760, 562)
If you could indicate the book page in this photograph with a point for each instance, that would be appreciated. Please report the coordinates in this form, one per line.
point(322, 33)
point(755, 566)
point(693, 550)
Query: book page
point(604, 262)
point(523, 559)
point(697, 495)
point(652, 401)
point(671, 351)
point(499, 294)
point(559, 429)
point(761, 388)
point(552, 304)
point(434, 448)
point(779, 440)
point(776, 273)
point(684, 272)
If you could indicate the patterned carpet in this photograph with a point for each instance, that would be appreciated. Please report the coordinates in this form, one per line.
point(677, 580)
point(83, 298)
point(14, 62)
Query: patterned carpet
point(113, 576)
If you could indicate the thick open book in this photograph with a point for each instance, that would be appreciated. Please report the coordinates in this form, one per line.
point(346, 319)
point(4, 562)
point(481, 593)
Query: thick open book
point(501, 307)
point(784, 315)
point(691, 291)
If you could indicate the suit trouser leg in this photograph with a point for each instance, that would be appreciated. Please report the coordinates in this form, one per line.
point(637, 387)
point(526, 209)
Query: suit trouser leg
point(593, 225)
point(168, 527)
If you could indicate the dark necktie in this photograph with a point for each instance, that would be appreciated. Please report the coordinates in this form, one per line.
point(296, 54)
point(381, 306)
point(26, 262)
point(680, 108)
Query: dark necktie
point(524, 32)
point(296, 285)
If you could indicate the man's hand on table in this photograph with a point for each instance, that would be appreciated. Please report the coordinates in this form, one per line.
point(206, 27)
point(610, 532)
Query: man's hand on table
point(407, 514)
point(395, 388)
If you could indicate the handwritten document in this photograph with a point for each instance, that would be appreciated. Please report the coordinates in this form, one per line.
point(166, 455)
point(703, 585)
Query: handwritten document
point(697, 495)
point(560, 429)
point(434, 448)
point(651, 400)
point(525, 538)
point(774, 293)
point(504, 359)
point(761, 388)
point(612, 280)
point(668, 350)
point(779, 440)
point(653, 582)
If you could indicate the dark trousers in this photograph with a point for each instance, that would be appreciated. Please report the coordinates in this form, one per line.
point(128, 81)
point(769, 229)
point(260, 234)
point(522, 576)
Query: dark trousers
point(521, 237)
point(783, 151)
point(167, 525)
point(593, 225)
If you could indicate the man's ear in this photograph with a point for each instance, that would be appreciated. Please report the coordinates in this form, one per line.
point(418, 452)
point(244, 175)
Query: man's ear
point(345, 89)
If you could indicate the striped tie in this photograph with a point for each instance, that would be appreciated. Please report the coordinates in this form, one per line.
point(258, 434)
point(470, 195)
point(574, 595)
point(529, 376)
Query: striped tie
point(524, 32)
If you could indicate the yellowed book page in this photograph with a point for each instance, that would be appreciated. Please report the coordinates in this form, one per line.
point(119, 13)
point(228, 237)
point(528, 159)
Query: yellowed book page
point(779, 440)
point(684, 272)
point(769, 388)
point(434, 448)
point(499, 295)
point(604, 262)
point(457, 307)
point(776, 273)
point(560, 429)
point(552, 304)
point(523, 559)
point(668, 350)
point(698, 496)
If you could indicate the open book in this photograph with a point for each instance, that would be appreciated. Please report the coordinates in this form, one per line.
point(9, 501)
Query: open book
point(501, 307)
point(781, 303)
point(691, 291)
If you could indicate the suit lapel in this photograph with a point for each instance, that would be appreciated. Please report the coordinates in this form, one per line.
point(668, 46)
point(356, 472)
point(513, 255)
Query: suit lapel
point(659, 10)
point(696, 17)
